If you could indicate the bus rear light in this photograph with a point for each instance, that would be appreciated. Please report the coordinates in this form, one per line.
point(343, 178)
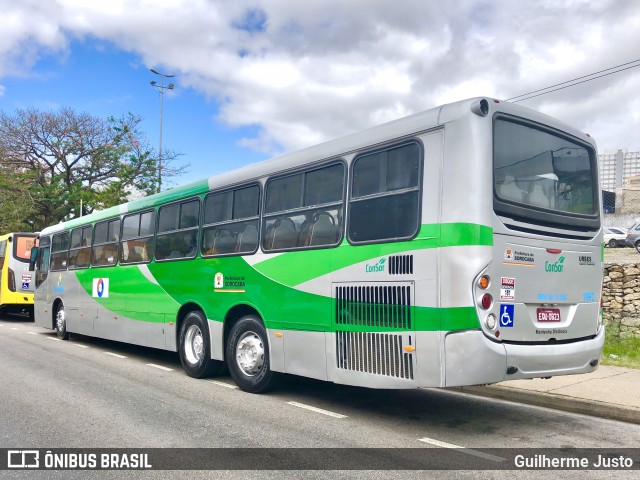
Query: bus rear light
point(12, 281)
point(486, 301)
point(490, 321)
point(498, 334)
point(483, 283)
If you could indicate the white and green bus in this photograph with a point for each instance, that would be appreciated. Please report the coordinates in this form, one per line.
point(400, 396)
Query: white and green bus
point(458, 246)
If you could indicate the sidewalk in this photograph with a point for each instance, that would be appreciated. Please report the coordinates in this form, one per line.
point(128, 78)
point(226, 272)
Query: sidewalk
point(609, 392)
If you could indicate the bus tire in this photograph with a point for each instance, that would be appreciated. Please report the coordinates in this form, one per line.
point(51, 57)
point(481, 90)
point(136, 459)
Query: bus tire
point(195, 349)
point(248, 355)
point(638, 247)
point(61, 323)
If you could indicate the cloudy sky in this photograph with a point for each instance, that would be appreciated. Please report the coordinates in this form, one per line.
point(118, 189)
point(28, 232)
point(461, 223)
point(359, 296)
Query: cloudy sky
point(258, 78)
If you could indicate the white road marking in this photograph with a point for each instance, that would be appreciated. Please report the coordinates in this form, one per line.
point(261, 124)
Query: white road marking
point(81, 346)
point(317, 410)
point(32, 333)
point(166, 369)
point(222, 384)
point(117, 355)
point(53, 338)
point(468, 451)
point(14, 328)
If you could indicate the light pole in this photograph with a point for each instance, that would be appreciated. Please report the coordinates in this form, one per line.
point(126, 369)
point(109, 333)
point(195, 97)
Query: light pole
point(161, 89)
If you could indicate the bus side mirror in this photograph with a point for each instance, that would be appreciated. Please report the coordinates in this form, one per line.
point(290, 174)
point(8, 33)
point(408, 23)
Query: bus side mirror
point(32, 258)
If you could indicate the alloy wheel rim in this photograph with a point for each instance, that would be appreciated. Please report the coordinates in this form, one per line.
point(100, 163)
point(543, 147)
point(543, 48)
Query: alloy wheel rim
point(250, 354)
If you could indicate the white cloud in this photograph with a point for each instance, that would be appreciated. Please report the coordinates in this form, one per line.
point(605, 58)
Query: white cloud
point(303, 72)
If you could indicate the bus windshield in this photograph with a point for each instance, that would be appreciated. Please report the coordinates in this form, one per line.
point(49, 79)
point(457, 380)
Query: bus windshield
point(534, 168)
point(22, 247)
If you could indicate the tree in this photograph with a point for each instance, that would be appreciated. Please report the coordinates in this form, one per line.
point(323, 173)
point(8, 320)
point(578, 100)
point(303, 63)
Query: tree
point(73, 158)
point(17, 208)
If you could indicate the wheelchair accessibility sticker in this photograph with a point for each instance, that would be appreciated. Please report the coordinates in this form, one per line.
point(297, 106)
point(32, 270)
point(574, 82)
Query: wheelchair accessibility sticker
point(506, 315)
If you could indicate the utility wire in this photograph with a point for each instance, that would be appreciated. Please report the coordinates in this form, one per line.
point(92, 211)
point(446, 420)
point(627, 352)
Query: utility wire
point(571, 83)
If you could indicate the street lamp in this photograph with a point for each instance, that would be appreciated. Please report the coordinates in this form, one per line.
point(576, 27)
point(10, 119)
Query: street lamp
point(161, 89)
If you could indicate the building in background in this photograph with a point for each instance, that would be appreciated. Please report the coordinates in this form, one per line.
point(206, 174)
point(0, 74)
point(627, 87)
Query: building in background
point(617, 167)
point(620, 183)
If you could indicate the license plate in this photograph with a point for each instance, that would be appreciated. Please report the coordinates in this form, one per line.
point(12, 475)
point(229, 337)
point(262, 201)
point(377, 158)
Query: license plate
point(548, 314)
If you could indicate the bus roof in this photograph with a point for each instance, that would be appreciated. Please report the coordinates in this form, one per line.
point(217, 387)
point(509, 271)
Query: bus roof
point(369, 138)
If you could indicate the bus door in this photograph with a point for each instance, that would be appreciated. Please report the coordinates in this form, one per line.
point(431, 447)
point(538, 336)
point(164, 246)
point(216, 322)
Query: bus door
point(42, 294)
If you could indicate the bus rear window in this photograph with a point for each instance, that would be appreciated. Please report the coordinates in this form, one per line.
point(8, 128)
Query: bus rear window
point(543, 176)
point(22, 247)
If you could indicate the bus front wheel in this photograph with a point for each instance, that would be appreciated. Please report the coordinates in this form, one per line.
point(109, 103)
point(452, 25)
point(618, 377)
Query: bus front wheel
point(61, 323)
point(248, 355)
point(195, 348)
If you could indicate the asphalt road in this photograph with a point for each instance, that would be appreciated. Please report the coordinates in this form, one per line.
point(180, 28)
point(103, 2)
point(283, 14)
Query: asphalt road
point(91, 393)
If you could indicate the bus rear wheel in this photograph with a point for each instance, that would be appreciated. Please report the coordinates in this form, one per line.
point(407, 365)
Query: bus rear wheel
point(248, 355)
point(195, 348)
point(61, 323)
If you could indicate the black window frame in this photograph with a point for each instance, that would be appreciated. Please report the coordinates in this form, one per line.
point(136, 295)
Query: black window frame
point(394, 193)
point(151, 237)
point(232, 221)
point(108, 242)
point(338, 205)
point(57, 252)
point(178, 231)
point(79, 249)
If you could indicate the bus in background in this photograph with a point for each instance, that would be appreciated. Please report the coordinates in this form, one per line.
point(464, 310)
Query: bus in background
point(16, 281)
point(458, 246)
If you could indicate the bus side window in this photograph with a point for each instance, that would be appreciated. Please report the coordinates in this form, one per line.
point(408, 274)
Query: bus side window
point(385, 195)
point(137, 237)
point(178, 230)
point(60, 251)
point(302, 210)
point(231, 222)
point(80, 249)
point(105, 243)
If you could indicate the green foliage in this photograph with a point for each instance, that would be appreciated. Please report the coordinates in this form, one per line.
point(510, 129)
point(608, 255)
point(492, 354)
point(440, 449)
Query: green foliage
point(620, 351)
point(17, 212)
point(70, 159)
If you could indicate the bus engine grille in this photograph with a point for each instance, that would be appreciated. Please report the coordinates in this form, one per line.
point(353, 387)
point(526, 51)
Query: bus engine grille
point(401, 265)
point(387, 306)
point(377, 353)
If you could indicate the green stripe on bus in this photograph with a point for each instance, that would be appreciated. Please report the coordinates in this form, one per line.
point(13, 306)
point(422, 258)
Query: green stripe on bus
point(324, 261)
point(428, 319)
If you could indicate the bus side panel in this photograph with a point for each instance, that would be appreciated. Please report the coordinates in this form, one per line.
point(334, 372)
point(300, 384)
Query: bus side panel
point(363, 353)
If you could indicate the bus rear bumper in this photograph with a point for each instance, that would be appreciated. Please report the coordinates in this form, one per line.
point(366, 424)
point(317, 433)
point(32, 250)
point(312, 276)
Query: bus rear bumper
point(473, 359)
point(533, 361)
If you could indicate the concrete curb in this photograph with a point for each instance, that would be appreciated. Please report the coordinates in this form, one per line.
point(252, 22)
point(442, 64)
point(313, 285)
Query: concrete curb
point(558, 402)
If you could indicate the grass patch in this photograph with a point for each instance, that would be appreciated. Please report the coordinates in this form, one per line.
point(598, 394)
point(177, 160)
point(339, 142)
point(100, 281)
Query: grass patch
point(621, 352)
